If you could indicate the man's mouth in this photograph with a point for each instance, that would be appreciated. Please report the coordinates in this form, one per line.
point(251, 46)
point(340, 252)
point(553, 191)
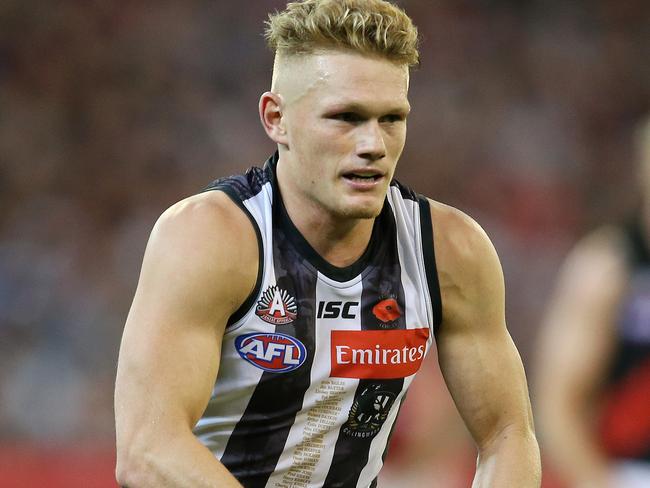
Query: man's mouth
point(362, 177)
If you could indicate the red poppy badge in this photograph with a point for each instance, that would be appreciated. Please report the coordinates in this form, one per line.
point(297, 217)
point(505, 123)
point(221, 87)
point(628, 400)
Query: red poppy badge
point(387, 310)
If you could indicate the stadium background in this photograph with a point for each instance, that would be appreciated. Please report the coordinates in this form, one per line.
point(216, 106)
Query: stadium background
point(112, 111)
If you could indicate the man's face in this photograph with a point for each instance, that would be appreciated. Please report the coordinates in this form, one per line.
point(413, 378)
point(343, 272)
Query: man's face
point(345, 120)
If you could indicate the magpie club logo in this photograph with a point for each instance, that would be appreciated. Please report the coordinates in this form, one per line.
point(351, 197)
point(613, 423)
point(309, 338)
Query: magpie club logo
point(369, 411)
point(276, 306)
point(274, 352)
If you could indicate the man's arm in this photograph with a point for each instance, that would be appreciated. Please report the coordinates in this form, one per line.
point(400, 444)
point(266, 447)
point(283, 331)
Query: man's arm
point(192, 280)
point(478, 359)
point(576, 343)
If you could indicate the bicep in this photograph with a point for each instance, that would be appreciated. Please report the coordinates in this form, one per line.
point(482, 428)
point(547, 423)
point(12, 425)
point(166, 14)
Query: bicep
point(169, 355)
point(479, 361)
point(486, 379)
point(167, 362)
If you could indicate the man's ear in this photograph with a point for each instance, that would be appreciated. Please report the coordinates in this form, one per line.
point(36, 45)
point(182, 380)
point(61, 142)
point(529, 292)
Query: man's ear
point(270, 109)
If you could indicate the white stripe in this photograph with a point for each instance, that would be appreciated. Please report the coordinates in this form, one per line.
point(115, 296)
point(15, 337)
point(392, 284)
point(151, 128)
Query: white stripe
point(260, 208)
point(414, 279)
point(310, 445)
point(230, 398)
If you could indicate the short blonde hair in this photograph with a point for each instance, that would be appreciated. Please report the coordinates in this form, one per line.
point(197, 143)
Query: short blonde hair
point(367, 26)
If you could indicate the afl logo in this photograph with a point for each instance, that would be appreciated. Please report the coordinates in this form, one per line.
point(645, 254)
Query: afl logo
point(276, 306)
point(274, 352)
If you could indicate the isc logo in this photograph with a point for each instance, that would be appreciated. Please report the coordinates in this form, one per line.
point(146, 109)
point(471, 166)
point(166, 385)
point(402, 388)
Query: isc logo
point(334, 310)
point(278, 353)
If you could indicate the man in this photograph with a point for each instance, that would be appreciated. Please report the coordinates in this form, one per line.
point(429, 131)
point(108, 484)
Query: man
point(594, 361)
point(309, 290)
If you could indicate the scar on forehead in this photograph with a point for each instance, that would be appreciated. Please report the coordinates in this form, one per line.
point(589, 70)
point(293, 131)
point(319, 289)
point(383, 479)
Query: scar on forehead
point(297, 76)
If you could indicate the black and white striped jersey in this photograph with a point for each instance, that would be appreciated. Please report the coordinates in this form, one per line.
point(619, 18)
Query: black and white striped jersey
point(315, 365)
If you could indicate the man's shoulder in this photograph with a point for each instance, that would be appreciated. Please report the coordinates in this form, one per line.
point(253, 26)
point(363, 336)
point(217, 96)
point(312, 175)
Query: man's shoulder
point(208, 212)
point(457, 234)
point(209, 227)
point(467, 263)
point(203, 246)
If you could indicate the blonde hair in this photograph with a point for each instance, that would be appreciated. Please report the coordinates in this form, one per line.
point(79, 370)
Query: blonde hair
point(367, 26)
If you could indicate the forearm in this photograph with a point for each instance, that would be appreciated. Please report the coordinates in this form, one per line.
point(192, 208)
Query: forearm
point(511, 459)
point(178, 461)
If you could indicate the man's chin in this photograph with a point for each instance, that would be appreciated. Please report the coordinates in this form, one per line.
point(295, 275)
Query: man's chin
point(362, 211)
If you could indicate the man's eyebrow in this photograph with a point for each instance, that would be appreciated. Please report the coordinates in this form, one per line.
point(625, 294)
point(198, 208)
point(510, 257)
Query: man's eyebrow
point(362, 109)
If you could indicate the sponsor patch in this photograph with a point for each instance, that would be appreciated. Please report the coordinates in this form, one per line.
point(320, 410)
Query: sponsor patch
point(334, 310)
point(377, 354)
point(274, 352)
point(276, 306)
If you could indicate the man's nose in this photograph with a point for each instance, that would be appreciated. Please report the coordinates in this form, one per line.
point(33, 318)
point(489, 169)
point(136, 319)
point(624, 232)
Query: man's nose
point(370, 142)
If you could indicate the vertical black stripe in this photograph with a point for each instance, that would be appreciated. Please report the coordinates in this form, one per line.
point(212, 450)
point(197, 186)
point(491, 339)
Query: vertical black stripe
point(381, 282)
point(258, 439)
point(392, 429)
point(426, 227)
point(390, 436)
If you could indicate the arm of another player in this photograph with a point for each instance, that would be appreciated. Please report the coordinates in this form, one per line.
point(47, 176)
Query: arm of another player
point(575, 345)
point(192, 280)
point(478, 359)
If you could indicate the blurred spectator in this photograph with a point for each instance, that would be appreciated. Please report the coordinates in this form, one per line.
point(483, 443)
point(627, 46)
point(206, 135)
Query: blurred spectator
point(594, 360)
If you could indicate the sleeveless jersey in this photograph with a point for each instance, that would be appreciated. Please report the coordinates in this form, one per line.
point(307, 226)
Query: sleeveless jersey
point(625, 419)
point(315, 365)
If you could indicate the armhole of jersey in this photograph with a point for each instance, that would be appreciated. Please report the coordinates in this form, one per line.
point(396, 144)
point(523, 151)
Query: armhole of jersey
point(431, 270)
point(250, 300)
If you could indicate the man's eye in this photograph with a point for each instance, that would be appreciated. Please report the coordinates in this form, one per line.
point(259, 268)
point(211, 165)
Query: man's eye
point(347, 117)
point(392, 118)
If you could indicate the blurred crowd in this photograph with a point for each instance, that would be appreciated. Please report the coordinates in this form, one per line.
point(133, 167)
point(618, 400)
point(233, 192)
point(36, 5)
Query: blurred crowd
point(112, 111)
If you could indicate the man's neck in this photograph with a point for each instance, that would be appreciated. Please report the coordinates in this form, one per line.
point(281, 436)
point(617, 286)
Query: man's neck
point(339, 241)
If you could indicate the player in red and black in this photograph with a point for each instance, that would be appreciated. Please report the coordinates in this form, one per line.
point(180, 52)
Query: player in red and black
point(594, 361)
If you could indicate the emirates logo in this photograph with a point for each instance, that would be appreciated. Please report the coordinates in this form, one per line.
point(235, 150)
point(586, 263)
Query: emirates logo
point(276, 306)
